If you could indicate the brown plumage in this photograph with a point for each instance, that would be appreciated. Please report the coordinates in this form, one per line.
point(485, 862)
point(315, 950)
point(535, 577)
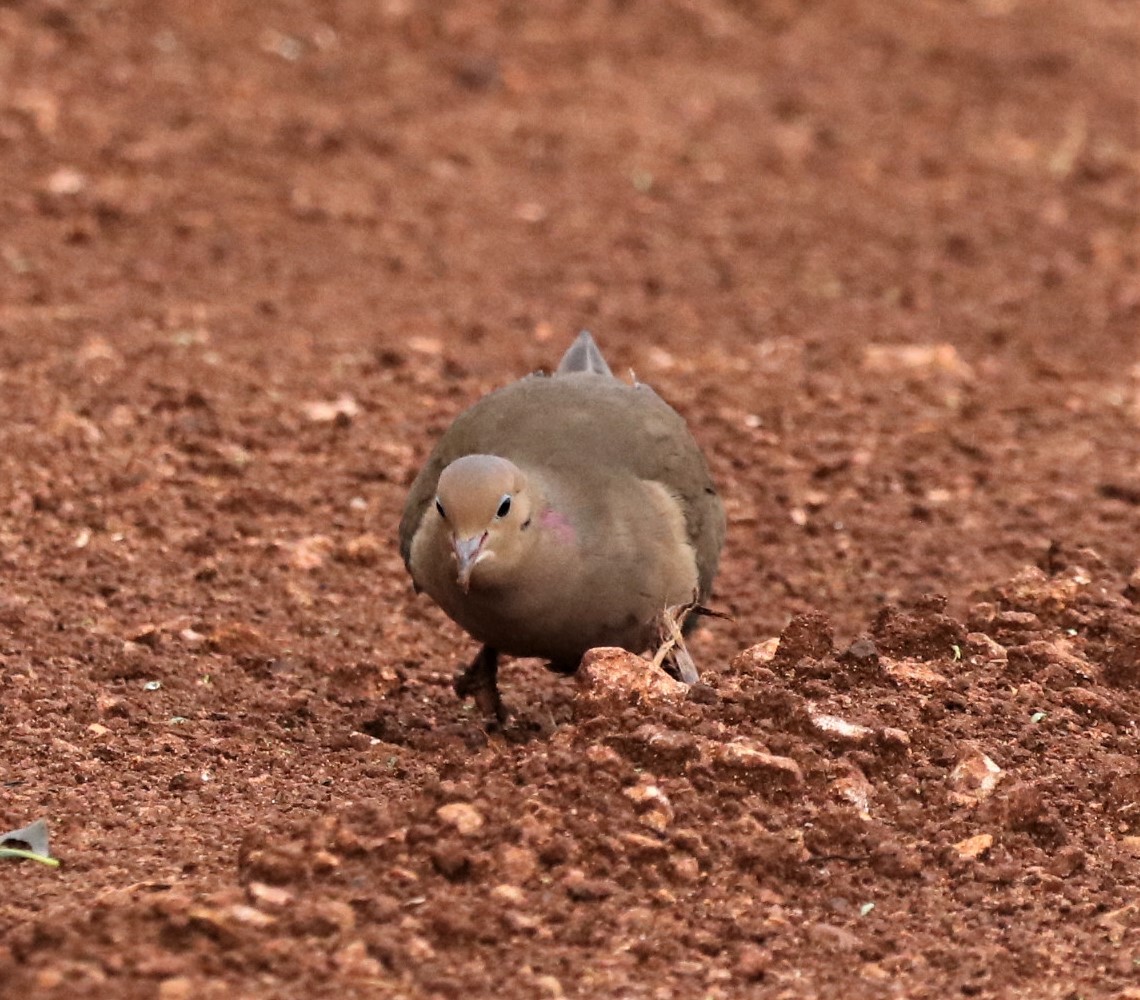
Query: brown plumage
point(561, 513)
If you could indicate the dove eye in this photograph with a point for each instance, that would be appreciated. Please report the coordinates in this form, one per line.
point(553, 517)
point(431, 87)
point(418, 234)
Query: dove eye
point(439, 507)
point(504, 506)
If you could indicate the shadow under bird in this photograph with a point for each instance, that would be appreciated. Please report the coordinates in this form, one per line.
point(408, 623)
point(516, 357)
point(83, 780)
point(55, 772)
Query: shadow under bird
point(561, 513)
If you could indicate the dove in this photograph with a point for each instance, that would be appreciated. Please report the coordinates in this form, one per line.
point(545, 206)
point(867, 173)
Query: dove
point(560, 513)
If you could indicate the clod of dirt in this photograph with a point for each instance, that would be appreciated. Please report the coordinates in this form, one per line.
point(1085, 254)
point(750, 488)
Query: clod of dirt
point(616, 676)
point(747, 759)
point(1026, 808)
point(1122, 668)
point(239, 640)
point(1032, 590)
point(922, 632)
point(807, 636)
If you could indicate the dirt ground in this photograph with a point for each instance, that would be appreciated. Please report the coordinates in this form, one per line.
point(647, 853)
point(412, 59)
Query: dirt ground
point(884, 255)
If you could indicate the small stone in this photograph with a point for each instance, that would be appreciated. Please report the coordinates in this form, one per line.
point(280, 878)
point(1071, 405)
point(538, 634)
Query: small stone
point(685, 868)
point(451, 861)
point(1131, 844)
point(747, 756)
point(855, 789)
point(1017, 621)
point(1067, 862)
point(982, 649)
point(550, 986)
point(364, 550)
point(759, 655)
point(862, 651)
point(833, 937)
point(912, 673)
point(654, 808)
point(238, 640)
point(582, 889)
point(605, 758)
point(146, 635)
point(1119, 922)
point(896, 738)
point(309, 553)
point(641, 846)
point(355, 961)
point(272, 897)
point(66, 181)
point(511, 895)
point(251, 916)
point(176, 988)
point(651, 743)
point(466, 819)
point(973, 848)
point(841, 731)
point(974, 779)
point(325, 861)
point(518, 864)
point(752, 963)
point(921, 360)
point(342, 410)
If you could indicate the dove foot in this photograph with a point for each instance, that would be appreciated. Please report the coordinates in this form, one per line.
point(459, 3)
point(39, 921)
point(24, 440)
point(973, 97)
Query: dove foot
point(480, 682)
point(672, 654)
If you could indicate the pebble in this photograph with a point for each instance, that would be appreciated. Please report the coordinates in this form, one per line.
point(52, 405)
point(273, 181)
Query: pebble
point(463, 816)
point(974, 779)
point(974, 847)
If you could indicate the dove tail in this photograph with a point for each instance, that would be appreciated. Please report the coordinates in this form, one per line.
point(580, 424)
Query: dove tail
point(583, 356)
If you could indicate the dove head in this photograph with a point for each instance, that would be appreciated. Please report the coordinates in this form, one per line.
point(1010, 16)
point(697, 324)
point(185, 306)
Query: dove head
point(485, 505)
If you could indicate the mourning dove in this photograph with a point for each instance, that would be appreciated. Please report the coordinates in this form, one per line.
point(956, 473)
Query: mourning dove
point(561, 513)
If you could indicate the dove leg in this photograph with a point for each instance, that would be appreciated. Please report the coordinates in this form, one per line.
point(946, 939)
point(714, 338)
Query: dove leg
point(480, 681)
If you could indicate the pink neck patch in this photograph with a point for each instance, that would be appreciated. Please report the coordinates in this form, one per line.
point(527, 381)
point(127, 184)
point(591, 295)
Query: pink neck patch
point(558, 525)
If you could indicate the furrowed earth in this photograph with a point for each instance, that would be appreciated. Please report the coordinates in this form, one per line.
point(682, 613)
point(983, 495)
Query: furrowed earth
point(883, 256)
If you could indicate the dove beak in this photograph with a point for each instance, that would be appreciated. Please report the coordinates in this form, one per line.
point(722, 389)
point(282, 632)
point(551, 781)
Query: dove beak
point(468, 552)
